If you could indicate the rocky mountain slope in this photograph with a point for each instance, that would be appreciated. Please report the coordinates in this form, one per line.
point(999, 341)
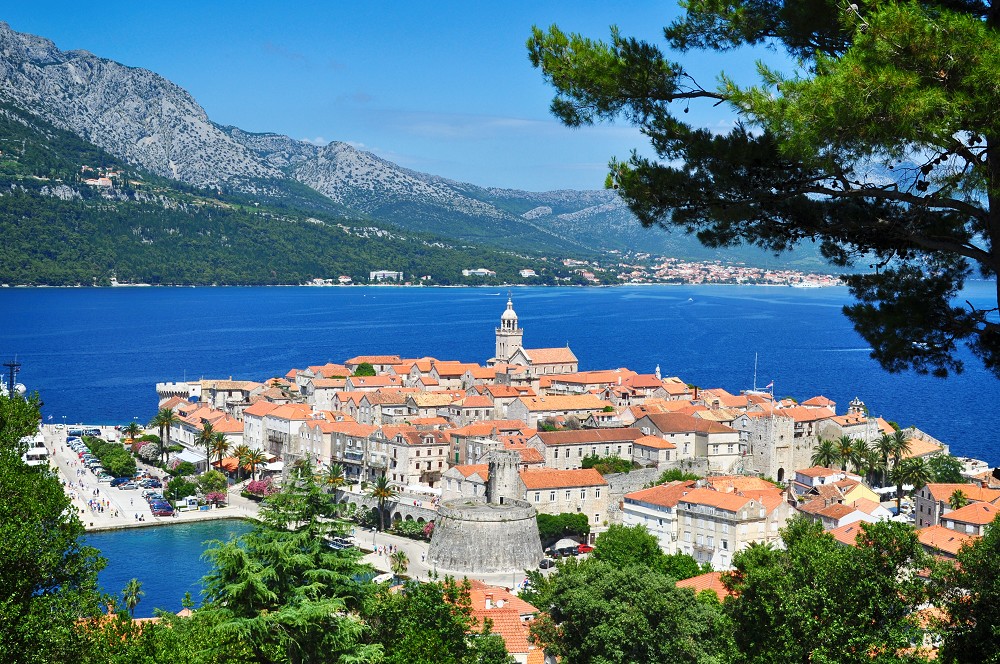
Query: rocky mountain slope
point(151, 123)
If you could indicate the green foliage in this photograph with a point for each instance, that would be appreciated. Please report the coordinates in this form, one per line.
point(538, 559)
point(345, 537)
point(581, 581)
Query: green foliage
point(876, 147)
point(971, 634)
point(212, 481)
point(819, 601)
point(552, 528)
point(279, 593)
point(48, 579)
point(607, 465)
point(946, 469)
point(675, 475)
point(429, 623)
point(365, 369)
point(601, 612)
point(410, 529)
point(622, 546)
point(113, 456)
point(183, 469)
point(180, 487)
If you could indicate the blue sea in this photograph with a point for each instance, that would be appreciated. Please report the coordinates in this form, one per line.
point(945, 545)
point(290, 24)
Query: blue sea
point(95, 355)
point(167, 560)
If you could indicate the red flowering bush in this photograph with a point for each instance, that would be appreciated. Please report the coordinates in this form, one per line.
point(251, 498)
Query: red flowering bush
point(262, 488)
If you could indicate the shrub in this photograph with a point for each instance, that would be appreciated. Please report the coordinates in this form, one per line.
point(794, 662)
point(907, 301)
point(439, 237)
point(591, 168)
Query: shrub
point(410, 529)
point(607, 465)
point(183, 468)
point(149, 452)
point(180, 487)
point(216, 497)
point(211, 482)
point(554, 527)
point(262, 488)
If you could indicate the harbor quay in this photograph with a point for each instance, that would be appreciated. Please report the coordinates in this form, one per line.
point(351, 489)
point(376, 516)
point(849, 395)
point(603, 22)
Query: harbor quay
point(102, 507)
point(126, 509)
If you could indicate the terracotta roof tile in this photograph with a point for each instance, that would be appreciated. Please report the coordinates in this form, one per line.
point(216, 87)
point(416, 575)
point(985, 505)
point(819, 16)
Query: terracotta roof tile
point(563, 402)
point(978, 514)
point(939, 538)
point(666, 495)
point(655, 443)
point(561, 355)
point(709, 581)
point(585, 436)
point(561, 479)
point(680, 423)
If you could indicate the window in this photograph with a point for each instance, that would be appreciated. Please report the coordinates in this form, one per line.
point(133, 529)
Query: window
point(555, 454)
point(725, 545)
point(687, 519)
point(711, 541)
point(700, 539)
point(729, 449)
point(687, 536)
point(538, 496)
point(583, 494)
point(743, 529)
point(567, 494)
point(579, 452)
point(552, 496)
point(725, 529)
point(597, 493)
point(597, 518)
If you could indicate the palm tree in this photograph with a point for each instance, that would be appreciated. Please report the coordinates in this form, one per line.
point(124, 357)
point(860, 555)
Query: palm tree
point(163, 420)
point(335, 476)
point(913, 471)
point(873, 465)
point(220, 446)
point(133, 430)
point(253, 458)
point(382, 491)
point(399, 562)
point(958, 500)
point(886, 446)
point(825, 453)
point(900, 445)
point(240, 451)
point(131, 594)
point(847, 451)
point(205, 438)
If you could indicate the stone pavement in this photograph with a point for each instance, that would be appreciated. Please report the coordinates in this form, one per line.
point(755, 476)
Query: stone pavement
point(122, 507)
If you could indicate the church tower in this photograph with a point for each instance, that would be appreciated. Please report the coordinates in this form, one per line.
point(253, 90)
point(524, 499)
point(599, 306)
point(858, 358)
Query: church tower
point(508, 334)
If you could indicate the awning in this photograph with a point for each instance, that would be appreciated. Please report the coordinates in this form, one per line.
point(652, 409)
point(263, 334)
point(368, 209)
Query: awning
point(275, 466)
point(420, 488)
point(188, 455)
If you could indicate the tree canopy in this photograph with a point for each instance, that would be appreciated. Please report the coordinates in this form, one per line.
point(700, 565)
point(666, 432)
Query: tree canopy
point(880, 144)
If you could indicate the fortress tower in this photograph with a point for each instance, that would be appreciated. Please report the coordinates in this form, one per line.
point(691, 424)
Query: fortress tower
point(498, 534)
point(509, 335)
point(502, 482)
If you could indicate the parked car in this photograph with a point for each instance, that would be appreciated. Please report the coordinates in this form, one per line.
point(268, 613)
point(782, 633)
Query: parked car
point(128, 486)
point(584, 548)
point(105, 478)
point(568, 551)
point(546, 563)
point(163, 509)
point(118, 481)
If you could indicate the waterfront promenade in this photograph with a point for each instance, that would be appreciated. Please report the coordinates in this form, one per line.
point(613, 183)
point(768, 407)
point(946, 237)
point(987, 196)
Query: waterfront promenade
point(122, 508)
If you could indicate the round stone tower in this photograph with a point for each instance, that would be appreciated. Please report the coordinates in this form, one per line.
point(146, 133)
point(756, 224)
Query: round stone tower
point(495, 534)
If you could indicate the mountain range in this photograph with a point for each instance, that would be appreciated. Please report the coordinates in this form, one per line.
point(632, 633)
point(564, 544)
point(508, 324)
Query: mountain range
point(155, 127)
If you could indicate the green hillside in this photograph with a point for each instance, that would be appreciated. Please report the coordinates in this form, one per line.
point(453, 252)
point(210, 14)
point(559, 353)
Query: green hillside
point(59, 231)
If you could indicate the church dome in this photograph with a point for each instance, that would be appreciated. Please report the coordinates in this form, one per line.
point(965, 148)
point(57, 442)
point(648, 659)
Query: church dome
point(509, 313)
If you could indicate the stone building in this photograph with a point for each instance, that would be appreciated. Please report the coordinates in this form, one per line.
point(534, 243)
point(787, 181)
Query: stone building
point(565, 450)
point(656, 510)
point(582, 491)
point(538, 361)
point(714, 525)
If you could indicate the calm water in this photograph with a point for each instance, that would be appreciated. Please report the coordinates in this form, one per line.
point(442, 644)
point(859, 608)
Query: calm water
point(96, 354)
point(166, 559)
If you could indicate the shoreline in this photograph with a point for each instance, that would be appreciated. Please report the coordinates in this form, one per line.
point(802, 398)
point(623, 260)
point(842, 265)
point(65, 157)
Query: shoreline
point(122, 509)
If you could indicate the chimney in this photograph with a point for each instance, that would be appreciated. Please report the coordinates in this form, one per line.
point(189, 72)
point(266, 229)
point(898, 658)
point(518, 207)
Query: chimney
point(489, 602)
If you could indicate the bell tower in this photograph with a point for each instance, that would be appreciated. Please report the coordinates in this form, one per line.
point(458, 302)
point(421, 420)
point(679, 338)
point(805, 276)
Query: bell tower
point(509, 335)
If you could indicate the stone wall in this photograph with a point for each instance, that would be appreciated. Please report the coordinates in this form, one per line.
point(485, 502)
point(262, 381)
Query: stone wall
point(621, 483)
point(475, 537)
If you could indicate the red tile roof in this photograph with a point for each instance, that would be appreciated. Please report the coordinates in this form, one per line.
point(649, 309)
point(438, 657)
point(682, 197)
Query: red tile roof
point(709, 581)
point(561, 479)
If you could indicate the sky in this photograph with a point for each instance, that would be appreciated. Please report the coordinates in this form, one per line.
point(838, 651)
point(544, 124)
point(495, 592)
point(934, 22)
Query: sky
point(444, 88)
